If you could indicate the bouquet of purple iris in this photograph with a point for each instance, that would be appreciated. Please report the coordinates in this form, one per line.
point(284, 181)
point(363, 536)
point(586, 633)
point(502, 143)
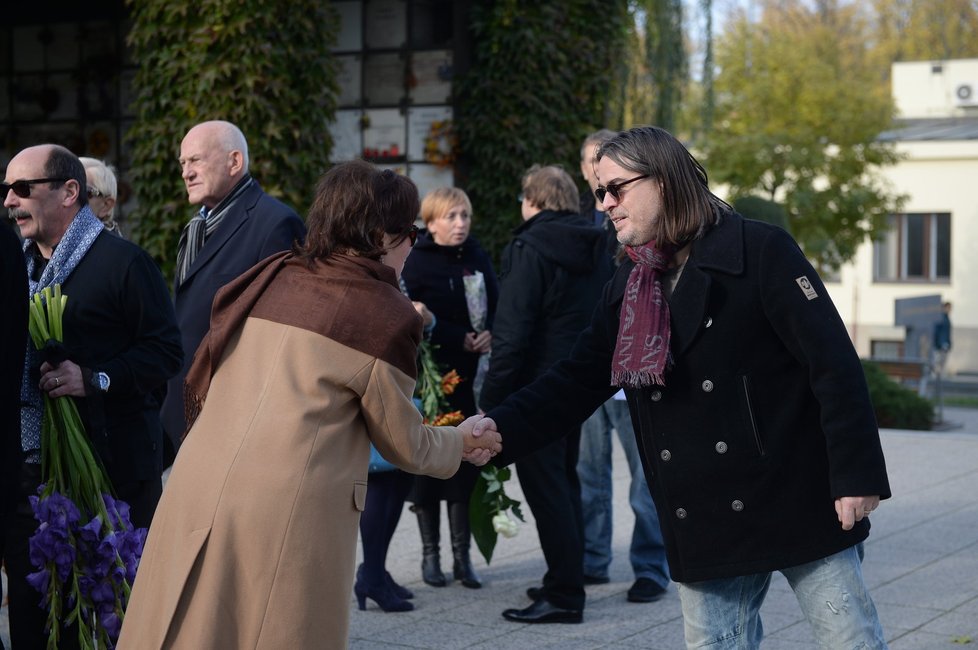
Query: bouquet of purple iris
point(85, 547)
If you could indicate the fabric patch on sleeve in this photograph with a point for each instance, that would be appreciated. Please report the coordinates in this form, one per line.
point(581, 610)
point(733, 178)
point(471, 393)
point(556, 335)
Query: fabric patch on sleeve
point(806, 287)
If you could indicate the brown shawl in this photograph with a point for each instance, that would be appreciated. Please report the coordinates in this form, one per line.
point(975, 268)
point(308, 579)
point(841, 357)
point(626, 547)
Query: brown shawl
point(352, 300)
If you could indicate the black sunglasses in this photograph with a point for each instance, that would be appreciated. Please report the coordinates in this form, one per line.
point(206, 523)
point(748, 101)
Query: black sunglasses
point(614, 189)
point(23, 188)
point(412, 233)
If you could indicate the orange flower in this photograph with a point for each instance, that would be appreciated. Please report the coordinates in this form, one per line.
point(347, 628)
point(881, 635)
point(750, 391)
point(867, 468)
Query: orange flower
point(449, 381)
point(449, 419)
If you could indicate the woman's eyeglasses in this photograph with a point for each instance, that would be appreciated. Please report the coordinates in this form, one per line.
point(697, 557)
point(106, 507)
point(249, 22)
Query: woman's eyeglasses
point(23, 188)
point(412, 234)
point(614, 189)
point(94, 192)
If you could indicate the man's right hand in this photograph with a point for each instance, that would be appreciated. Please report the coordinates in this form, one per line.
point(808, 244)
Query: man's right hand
point(480, 440)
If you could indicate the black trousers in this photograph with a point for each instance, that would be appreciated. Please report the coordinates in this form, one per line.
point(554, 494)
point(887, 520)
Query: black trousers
point(27, 618)
point(549, 481)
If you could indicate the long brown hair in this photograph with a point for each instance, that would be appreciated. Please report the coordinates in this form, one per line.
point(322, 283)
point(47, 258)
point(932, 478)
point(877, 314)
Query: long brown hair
point(689, 207)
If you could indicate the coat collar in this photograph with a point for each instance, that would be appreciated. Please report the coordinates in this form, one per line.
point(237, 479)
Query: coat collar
point(720, 249)
point(229, 225)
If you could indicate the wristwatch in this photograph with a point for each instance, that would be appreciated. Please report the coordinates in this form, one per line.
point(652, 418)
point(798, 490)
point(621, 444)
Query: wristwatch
point(101, 382)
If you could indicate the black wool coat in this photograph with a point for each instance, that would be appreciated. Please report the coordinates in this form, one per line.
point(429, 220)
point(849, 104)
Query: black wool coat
point(765, 418)
point(13, 334)
point(256, 227)
point(551, 277)
point(433, 275)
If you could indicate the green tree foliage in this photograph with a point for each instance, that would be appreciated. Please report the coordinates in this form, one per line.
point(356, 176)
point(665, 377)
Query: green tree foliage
point(541, 78)
point(655, 57)
point(798, 109)
point(264, 65)
point(760, 209)
point(924, 30)
point(665, 55)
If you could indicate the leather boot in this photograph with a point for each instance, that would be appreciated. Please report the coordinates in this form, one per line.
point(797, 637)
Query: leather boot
point(458, 523)
point(429, 523)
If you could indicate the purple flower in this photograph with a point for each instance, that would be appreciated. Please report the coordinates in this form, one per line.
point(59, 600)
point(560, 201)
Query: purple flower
point(89, 533)
point(108, 617)
point(40, 580)
point(56, 509)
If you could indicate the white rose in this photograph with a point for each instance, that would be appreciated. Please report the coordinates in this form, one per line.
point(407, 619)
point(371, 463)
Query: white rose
point(505, 526)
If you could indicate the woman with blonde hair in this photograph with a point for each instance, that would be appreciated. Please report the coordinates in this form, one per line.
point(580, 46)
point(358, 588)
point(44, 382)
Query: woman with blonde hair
point(453, 276)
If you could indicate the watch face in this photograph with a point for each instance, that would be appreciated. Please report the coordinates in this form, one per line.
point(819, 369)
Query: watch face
point(103, 381)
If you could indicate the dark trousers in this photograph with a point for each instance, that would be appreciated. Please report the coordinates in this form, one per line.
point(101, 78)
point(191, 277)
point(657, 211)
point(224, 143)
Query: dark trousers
point(27, 618)
point(386, 492)
point(549, 481)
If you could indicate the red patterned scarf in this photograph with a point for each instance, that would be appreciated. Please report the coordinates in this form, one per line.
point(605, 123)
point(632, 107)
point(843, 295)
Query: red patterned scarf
point(642, 350)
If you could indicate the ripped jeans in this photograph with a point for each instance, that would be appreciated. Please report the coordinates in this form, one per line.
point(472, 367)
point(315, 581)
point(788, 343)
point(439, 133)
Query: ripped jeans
point(725, 614)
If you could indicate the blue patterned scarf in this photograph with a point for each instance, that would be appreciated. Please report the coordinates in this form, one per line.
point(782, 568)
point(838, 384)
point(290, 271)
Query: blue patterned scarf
point(79, 237)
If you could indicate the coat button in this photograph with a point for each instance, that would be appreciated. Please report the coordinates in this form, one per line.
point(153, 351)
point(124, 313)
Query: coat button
point(656, 395)
point(665, 455)
point(681, 513)
point(708, 322)
point(737, 505)
point(707, 386)
point(721, 447)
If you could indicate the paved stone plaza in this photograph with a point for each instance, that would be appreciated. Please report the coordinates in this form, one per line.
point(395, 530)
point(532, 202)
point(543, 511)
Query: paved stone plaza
point(921, 566)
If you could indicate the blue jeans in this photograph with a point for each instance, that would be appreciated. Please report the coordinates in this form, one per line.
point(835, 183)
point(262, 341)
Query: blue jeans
point(647, 553)
point(725, 614)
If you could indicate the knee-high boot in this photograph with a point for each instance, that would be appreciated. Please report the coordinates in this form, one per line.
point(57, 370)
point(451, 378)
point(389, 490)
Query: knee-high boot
point(429, 523)
point(458, 522)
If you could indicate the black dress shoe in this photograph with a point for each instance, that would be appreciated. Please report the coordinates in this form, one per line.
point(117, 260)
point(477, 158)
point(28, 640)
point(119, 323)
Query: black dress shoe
point(543, 611)
point(535, 593)
point(645, 590)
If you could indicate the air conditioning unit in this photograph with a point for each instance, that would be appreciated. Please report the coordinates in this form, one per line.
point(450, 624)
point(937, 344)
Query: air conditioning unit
point(966, 94)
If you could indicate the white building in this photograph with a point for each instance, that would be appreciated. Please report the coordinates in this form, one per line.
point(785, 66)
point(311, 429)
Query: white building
point(932, 248)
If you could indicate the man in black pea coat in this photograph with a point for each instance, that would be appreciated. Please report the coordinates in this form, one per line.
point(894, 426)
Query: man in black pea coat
point(121, 344)
point(551, 279)
point(752, 414)
point(237, 226)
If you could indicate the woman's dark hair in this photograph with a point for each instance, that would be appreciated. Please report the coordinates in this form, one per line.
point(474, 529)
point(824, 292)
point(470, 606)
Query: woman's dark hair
point(689, 207)
point(354, 206)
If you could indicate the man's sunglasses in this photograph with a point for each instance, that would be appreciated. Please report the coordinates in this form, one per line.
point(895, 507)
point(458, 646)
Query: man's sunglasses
point(614, 189)
point(23, 188)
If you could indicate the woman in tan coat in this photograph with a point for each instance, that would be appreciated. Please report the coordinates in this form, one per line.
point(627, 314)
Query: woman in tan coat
point(310, 358)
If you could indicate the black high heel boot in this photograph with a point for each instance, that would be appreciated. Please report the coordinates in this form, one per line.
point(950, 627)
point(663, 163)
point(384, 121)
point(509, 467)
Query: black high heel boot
point(399, 590)
point(429, 523)
point(382, 595)
point(458, 522)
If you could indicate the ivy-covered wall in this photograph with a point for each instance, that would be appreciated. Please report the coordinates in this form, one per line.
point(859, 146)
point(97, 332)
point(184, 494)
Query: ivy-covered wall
point(264, 65)
point(541, 78)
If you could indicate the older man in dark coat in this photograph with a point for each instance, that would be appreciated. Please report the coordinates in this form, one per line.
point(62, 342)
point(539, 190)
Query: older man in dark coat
point(121, 344)
point(237, 226)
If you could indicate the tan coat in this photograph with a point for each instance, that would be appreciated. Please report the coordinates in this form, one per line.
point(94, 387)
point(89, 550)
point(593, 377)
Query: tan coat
point(254, 541)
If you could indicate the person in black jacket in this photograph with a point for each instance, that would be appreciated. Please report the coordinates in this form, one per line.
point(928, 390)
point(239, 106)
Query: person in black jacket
point(450, 273)
point(121, 344)
point(13, 333)
point(754, 420)
point(551, 279)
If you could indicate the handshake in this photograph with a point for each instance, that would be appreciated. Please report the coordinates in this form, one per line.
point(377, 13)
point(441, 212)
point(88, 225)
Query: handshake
point(480, 440)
